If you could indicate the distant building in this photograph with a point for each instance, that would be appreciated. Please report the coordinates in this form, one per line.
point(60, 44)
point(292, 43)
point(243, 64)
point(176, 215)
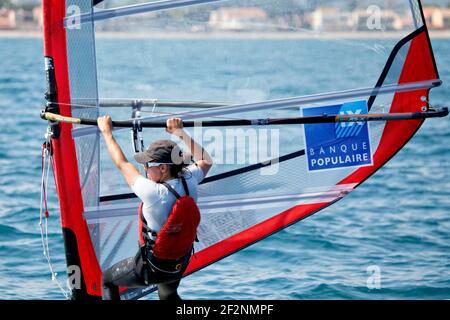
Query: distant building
point(25, 20)
point(385, 20)
point(37, 16)
point(237, 19)
point(330, 19)
point(437, 18)
point(7, 19)
point(288, 23)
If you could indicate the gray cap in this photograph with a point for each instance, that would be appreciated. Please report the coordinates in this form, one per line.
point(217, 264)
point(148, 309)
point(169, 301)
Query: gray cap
point(161, 151)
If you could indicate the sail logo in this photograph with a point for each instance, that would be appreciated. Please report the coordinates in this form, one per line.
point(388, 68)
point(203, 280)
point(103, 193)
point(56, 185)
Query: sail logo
point(348, 129)
point(337, 145)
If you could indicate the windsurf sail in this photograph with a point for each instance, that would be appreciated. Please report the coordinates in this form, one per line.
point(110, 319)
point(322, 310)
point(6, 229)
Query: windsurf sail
point(363, 73)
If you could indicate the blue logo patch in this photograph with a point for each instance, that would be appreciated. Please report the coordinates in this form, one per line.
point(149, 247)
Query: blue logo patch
point(340, 144)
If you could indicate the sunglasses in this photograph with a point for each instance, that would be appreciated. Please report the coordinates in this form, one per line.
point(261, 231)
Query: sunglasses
point(153, 164)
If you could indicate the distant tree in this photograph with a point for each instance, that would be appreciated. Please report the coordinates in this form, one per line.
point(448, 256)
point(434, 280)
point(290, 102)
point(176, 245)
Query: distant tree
point(353, 5)
point(309, 5)
point(5, 4)
point(283, 8)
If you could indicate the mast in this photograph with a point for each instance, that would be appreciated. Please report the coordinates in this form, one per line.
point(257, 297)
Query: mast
point(82, 265)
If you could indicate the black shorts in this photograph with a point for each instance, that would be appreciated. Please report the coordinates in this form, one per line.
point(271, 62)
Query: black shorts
point(134, 273)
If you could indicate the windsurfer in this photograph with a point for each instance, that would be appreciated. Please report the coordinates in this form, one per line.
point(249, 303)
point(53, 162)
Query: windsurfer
point(168, 175)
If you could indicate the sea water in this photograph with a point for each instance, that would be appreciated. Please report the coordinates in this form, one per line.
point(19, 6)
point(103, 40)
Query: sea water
point(389, 239)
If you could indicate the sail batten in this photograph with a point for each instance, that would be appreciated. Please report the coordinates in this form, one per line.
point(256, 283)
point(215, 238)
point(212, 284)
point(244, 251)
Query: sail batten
point(105, 14)
point(282, 103)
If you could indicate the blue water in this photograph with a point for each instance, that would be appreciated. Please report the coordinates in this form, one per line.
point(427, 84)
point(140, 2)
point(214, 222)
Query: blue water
point(397, 221)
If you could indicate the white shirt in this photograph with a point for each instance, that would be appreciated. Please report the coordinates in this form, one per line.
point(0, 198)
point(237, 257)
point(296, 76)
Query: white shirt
point(158, 200)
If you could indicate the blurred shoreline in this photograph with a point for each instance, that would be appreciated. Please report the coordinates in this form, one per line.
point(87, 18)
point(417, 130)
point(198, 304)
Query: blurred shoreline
point(445, 34)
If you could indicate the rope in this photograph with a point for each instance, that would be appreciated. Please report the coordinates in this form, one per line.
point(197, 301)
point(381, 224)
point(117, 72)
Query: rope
point(47, 165)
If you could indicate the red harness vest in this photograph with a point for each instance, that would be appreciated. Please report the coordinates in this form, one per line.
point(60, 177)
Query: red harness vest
point(175, 239)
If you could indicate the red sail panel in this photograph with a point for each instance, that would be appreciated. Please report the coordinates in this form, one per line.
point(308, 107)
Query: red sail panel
point(245, 238)
point(418, 66)
point(79, 249)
